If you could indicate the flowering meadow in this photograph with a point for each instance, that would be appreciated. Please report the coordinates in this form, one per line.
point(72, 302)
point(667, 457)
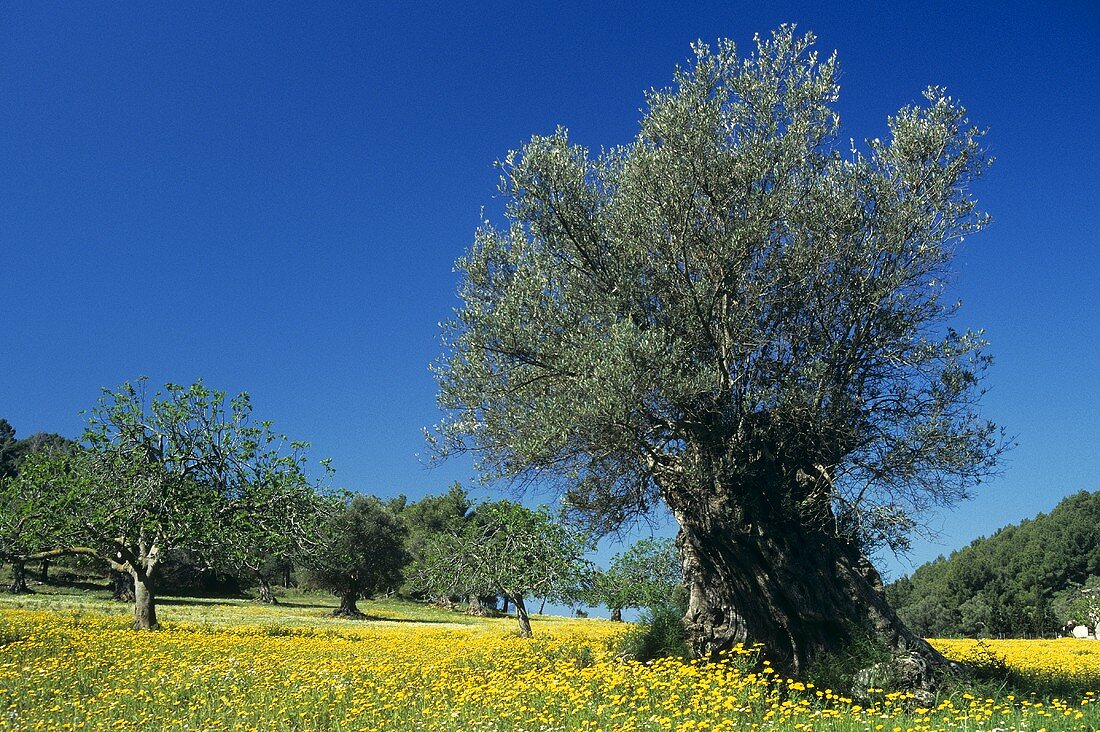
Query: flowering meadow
point(71, 669)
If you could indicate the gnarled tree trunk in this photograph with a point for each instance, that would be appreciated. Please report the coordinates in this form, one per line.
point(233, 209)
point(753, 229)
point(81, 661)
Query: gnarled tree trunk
point(617, 614)
point(474, 606)
point(19, 578)
point(267, 594)
point(521, 616)
point(762, 577)
point(122, 586)
point(348, 608)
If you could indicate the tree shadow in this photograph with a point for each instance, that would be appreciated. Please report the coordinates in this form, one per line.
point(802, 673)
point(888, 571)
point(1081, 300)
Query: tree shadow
point(75, 584)
point(308, 605)
point(367, 617)
point(207, 601)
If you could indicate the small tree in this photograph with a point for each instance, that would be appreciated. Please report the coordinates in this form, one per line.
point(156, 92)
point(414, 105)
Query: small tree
point(186, 469)
point(361, 552)
point(433, 515)
point(27, 523)
point(27, 527)
point(508, 550)
point(287, 530)
point(1080, 606)
point(647, 574)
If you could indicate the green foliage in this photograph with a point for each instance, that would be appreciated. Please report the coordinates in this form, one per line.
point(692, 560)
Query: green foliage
point(504, 549)
point(659, 634)
point(863, 662)
point(734, 282)
point(8, 449)
point(28, 523)
point(361, 551)
point(739, 313)
point(1021, 581)
point(187, 468)
point(13, 451)
point(1079, 605)
point(431, 516)
point(645, 575)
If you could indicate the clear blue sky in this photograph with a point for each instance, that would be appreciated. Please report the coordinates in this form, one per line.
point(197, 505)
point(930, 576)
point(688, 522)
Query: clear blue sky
point(273, 199)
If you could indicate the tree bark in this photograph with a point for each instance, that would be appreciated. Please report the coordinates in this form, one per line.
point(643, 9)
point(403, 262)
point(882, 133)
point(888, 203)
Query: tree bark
point(617, 614)
point(504, 609)
point(475, 607)
point(348, 608)
point(19, 578)
point(521, 617)
point(267, 594)
point(122, 586)
point(44, 572)
point(145, 605)
point(802, 593)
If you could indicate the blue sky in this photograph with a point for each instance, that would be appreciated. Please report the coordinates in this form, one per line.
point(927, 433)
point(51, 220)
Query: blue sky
point(273, 199)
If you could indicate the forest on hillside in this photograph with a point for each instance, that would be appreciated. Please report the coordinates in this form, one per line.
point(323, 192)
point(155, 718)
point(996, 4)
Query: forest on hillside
point(1031, 579)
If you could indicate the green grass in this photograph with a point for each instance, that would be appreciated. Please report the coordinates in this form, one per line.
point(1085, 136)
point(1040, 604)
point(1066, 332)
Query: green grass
point(295, 608)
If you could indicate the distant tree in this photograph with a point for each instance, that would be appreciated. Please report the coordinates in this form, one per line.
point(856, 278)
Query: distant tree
point(27, 526)
point(648, 574)
point(8, 449)
point(506, 550)
point(185, 469)
point(740, 316)
point(287, 530)
point(13, 451)
point(361, 552)
point(427, 518)
point(433, 515)
point(1080, 605)
point(27, 521)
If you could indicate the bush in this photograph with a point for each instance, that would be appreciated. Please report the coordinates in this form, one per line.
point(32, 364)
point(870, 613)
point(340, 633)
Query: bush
point(660, 634)
point(862, 663)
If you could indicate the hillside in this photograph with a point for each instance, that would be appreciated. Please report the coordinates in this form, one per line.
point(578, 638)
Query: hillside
point(1017, 582)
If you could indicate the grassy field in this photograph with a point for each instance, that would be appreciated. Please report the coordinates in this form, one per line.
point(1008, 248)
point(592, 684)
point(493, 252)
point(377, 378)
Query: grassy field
point(68, 661)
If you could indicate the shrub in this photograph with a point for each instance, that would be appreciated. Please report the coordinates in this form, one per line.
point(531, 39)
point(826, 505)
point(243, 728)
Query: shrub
point(660, 634)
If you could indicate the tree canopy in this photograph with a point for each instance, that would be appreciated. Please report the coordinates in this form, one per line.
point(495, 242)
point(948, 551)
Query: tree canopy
point(187, 468)
point(508, 550)
point(27, 520)
point(743, 316)
point(13, 450)
point(647, 574)
point(361, 552)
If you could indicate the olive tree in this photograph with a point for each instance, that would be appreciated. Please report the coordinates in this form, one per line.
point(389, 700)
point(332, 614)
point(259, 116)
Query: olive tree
point(184, 469)
point(361, 552)
point(742, 317)
point(647, 574)
point(507, 550)
point(29, 526)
